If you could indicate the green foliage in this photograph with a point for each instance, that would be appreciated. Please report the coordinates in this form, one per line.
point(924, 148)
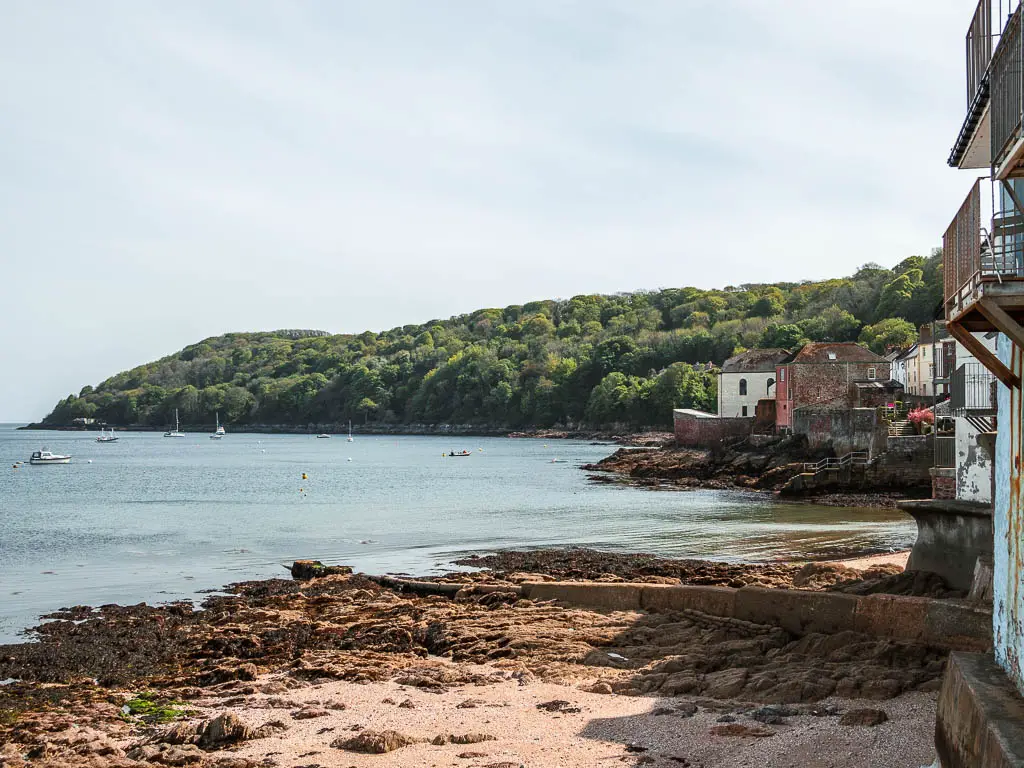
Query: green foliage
point(891, 333)
point(591, 360)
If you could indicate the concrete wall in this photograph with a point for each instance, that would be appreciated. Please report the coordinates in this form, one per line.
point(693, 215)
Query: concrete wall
point(697, 432)
point(941, 623)
point(973, 465)
point(843, 431)
point(1008, 526)
point(731, 402)
point(951, 536)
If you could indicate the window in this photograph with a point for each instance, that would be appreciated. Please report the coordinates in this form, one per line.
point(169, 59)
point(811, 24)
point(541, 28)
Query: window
point(743, 388)
point(871, 373)
point(744, 410)
point(768, 389)
point(782, 374)
point(831, 355)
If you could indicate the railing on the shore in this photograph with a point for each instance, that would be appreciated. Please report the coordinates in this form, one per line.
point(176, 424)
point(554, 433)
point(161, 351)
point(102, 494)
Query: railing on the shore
point(854, 458)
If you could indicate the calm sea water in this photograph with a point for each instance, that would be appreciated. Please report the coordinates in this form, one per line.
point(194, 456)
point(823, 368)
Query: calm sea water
point(158, 519)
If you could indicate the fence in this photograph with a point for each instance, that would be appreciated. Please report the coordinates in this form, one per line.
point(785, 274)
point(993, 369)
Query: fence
point(945, 451)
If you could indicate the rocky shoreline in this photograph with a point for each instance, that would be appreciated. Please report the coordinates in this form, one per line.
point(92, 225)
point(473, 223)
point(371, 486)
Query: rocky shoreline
point(234, 683)
point(758, 468)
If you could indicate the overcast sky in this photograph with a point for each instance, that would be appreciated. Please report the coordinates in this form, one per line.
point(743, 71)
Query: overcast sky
point(176, 170)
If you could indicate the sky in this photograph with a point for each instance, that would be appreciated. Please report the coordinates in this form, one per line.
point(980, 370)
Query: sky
point(176, 170)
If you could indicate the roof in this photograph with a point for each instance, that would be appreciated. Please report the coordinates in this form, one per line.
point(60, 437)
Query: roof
point(754, 360)
point(878, 384)
point(834, 352)
point(693, 413)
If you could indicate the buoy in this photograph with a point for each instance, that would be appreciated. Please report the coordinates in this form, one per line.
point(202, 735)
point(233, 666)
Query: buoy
point(350, 458)
point(89, 461)
point(304, 476)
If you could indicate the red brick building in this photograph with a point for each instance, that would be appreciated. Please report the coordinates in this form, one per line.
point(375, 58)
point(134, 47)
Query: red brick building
point(823, 375)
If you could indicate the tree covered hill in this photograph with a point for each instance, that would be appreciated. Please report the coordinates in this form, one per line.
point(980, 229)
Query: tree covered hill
point(626, 359)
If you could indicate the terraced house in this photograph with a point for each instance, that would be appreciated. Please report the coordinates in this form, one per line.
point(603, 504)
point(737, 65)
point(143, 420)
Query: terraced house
point(981, 709)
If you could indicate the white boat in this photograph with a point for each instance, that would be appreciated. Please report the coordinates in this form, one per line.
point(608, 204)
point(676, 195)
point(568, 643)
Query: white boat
point(107, 438)
point(349, 438)
point(175, 432)
point(45, 457)
point(219, 433)
point(323, 436)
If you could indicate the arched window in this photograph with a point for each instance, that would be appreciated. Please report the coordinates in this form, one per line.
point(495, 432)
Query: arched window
point(768, 389)
point(743, 386)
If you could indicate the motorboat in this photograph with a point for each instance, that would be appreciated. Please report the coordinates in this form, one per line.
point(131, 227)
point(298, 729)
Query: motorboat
point(219, 432)
point(107, 437)
point(460, 453)
point(323, 436)
point(175, 432)
point(46, 457)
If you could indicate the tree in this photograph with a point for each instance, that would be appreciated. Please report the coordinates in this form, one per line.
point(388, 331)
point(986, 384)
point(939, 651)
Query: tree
point(366, 405)
point(891, 333)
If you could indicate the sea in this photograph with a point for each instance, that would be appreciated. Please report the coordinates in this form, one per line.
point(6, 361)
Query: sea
point(156, 519)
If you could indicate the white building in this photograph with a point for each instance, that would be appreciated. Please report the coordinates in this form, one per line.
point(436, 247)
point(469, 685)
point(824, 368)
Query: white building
point(747, 378)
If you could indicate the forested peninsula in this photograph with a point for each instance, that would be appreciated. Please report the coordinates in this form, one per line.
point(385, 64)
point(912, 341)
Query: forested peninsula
point(591, 361)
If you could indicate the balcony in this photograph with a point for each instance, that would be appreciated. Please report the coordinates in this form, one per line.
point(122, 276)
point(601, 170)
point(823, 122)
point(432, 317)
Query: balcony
point(971, 390)
point(973, 145)
point(1007, 98)
point(983, 274)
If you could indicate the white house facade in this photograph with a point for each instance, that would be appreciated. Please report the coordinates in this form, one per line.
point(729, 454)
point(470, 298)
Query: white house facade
point(745, 379)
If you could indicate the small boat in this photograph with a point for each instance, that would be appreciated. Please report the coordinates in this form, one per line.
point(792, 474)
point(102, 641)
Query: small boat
point(219, 432)
point(107, 438)
point(175, 432)
point(323, 436)
point(45, 457)
point(460, 453)
point(559, 461)
point(349, 438)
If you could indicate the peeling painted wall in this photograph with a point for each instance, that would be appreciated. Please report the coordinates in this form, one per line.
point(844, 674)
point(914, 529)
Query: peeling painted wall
point(973, 465)
point(1008, 526)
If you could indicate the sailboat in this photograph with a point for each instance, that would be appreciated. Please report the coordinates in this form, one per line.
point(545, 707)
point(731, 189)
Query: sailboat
point(219, 433)
point(107, 438)
point(175, 432)
point(349, 438)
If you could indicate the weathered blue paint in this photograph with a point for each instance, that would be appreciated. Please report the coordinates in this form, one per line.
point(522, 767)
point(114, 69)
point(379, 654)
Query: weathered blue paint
point(1008, 526)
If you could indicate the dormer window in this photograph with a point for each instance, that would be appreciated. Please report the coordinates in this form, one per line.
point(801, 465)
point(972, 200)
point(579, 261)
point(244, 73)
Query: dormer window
point(871, 373)
point(831, 355)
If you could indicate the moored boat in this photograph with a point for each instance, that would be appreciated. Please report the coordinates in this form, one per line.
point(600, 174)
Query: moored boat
point(175, 432)
point(46, 457)
point(219, 432)
point(106, 437)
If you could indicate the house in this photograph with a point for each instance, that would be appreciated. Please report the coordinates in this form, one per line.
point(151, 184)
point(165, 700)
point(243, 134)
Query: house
point(821, 375)
point(746, 378)
point(983, 293)
point(898, 363)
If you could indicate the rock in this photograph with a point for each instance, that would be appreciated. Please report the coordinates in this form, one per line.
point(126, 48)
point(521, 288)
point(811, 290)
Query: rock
point(739, 729)
point(635, 748)
point(470, 704)
point(229, 672)
point(686, 709)
point(558, 705)
point(407, 704)
point(466, 738)
point(598, 687)
point(471, 755)
point(725, 684)
point(881, 689)
point(772, 714)
point(864, 717)
point(304, 570)
point(727, 719)
point(228, 728)
point(308, 713)
point(662, 711)
point(376, 742)
point(167, 754)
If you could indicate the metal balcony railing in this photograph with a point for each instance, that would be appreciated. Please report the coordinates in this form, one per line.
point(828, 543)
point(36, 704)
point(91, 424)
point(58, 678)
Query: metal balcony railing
point(945, 451)
point(971, 389)
point(1005, 83)
point(979, 50)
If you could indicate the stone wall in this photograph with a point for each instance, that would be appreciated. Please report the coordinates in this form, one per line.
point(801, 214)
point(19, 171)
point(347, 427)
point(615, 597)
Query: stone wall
point(827, 385)
point(841, 431)
point(698, 432)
